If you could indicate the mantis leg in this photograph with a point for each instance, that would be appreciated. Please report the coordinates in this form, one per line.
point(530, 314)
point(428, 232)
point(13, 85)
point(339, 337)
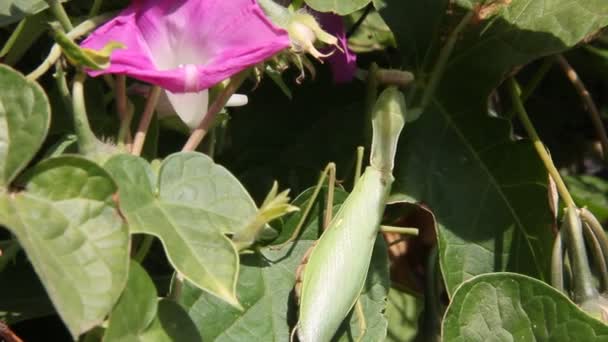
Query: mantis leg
point(361, 317)
point(330, 170)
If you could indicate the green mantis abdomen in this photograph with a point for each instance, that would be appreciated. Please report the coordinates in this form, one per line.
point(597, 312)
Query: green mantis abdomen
point(337, 267)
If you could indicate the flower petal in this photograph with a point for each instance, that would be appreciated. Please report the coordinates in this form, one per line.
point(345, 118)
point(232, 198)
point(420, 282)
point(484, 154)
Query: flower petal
point(343, 63)
point(210, 39)
point(190, 107)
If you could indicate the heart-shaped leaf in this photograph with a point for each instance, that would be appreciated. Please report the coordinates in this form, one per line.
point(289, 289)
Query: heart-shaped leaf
point(74, 237)
point(487, 191)
point(25, 116)
point(190, 207)
point(510, 306)
point(139, 316)
point(265, 285)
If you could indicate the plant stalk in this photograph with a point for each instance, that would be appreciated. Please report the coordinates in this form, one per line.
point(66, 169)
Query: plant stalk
point(442, 61)
point(144, 123)
point(594, 112)
point(59, 12)
point(538, 145)
point(199, 133)
point(87, 141)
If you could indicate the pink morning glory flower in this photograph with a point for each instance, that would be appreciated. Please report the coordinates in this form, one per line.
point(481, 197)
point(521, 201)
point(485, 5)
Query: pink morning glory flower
point(187, 46)
point(343, 62)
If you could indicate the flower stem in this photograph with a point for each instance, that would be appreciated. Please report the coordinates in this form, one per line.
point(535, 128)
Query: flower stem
point(95, 8)
point(120, 90)
point(87, 141)
point(538, 145)
point(591, 107)
point(59, 13)
point(199, 133)
point(442, 61)
point(144, 123)
point(79, 31)
point(62, 86)
point(529, 88)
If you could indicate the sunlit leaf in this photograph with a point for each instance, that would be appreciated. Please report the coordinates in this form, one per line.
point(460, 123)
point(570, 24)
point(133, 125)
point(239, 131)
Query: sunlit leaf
point(190, 207)
point(74, 237)
point(24, 122)
point(509, 306)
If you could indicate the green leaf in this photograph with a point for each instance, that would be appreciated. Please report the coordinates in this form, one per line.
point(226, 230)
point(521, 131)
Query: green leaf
point(265, 285)
point(190, 207)
point(402, 313)
point(139, 316)
point(509, 306)
point(487, 191)
point(74, 237)
point(24, 122)
point(13, 10)
point(341, 7)
point(373, 34)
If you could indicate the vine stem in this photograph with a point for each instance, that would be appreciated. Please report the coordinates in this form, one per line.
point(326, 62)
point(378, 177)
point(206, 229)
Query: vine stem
point(120, 91)
point(79, 31)
point(594, 113)
point(199, 133)
point(144, 123)
point(87, 141)
point(59, 13)
point(95, 8)
point(538, 144)
point(442, 61)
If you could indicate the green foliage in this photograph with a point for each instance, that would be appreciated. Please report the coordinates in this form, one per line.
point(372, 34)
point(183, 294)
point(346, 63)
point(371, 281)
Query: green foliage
point(24, 122)
point(456, 148)
point(508, 306)
point(265, 285)
point(69, 226)
point(191, 205)
point(73, 235)
point(140, 316)
point(14, 10)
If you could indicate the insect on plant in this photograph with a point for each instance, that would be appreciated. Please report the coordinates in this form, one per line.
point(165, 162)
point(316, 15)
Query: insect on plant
point(343, 253)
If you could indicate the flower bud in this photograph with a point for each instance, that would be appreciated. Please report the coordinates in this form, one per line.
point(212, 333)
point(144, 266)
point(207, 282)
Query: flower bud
point(304, 31)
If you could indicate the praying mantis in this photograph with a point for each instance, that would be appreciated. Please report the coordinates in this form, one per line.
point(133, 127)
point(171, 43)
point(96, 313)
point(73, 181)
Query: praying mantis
point(342, 255)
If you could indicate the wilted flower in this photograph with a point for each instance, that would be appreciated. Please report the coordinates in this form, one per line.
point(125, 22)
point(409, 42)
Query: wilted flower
point(187, 46)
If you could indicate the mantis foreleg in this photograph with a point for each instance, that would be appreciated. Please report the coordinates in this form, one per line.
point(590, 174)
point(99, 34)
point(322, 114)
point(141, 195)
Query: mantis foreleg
point(330, 170)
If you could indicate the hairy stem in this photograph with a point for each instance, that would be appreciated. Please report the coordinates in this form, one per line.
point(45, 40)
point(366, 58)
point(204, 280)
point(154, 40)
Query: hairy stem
point(87, 141)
